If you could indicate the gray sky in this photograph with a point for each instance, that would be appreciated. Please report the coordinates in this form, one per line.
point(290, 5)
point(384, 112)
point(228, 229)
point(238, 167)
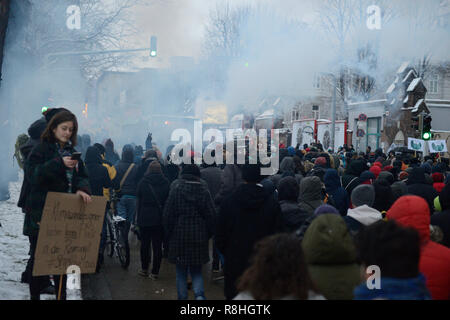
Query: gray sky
point(179, 24)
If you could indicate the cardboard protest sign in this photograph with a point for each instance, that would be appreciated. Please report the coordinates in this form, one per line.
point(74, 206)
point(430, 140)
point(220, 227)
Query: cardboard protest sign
point(69, 234)
point(416, 144)
point(437, 146)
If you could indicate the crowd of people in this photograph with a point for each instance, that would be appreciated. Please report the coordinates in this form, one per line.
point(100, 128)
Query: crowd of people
point(308, 232)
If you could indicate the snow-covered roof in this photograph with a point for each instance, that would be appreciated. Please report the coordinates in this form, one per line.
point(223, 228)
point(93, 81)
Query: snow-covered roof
point(267, 114)
point(406, 99)
point(403, 67)
point(416, 107)
point(414, 84)
point(390, 89)
point(411, 72)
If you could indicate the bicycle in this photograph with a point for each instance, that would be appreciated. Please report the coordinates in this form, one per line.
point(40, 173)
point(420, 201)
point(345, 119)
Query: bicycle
point(116, 240)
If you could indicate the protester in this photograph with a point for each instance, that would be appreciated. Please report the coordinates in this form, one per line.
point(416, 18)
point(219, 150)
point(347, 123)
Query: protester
point(331, 257)
point(311, 194)
point(247, 215)
point(50, 168)
point(98, 181)
point(188, 219)
point(362, 212)
point(384, 197)
point(334, 188)
point(111, 155)
point(395, 250)
point(125, 184)
point(438, 181)
point(278, 271)
point(418, 186)
point(413, 211)
point(152, 193)
point(292, 215)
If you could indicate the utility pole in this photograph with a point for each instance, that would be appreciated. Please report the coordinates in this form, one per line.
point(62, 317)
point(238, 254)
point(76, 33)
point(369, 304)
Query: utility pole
point(333, 114)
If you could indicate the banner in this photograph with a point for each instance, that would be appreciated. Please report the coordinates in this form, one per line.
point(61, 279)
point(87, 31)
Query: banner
point(416, 144)
point(69, 234)
point(437, 146)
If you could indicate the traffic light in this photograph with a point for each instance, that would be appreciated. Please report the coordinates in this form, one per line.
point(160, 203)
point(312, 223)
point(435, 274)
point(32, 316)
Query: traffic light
point(426, 129)
point(417, 123)
point(153, 46)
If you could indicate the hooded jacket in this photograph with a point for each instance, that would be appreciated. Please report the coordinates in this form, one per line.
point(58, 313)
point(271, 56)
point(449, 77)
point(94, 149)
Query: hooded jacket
point(334, 188)
point(188, 221)
point(292, 216)
point(245, 217)
point(286, 166)
point(412, 211)
point(361, 216)
point(331, 257)
point(418, 186)
point(130, 184)
point(311, 194)
point(97, 173)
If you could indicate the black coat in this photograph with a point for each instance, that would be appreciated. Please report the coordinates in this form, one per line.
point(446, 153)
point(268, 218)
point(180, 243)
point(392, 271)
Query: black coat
point(213, 177)
point(188, 221)
point(97, 173)
point(334, 188)
point(292, 216)
point(130, 183)
point(245, 217)
point(150, 210)
point(418, 186)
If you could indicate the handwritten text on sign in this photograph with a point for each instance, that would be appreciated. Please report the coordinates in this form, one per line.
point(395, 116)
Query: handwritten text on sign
point(69, 234)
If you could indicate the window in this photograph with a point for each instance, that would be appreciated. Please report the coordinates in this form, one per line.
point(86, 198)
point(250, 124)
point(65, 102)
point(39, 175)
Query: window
point(434, 80)
point(315, 110)
point(316, 82)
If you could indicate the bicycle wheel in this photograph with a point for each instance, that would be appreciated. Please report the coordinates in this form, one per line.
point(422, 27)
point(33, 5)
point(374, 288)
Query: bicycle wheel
point(110, 239)
point(122, 247)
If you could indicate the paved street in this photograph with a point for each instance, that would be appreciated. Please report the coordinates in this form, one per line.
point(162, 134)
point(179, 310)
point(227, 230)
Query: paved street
point(115, 283)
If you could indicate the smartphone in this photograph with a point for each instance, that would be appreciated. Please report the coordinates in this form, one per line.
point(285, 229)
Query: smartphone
point(76, 156)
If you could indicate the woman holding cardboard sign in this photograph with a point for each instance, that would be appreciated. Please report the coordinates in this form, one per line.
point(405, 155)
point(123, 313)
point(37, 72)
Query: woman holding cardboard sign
point(53, 165)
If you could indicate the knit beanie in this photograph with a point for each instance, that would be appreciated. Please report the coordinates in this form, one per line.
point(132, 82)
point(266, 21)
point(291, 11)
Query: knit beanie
point(321, 161)
point(403, 175)
point(324, 209)
point(437, 177)
point(191, 169)
point(375, 170)
point(363, 195)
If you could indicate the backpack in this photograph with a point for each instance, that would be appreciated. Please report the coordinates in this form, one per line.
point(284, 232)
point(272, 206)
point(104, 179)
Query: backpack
point(21, 140)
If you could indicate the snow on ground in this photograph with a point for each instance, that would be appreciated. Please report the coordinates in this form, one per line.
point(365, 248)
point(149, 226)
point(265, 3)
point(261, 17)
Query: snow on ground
point(14, 248)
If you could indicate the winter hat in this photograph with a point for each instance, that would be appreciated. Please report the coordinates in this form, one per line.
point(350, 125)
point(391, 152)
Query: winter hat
point(321, 161)
point(291, 151)
point(363, 195)
point(403, 175)
point(50, 113)
point(388, 168)
point(109, 144)
point(154, 167)
point(191, 169)
point(150, 154)
point(375, 170)
point(437, 177)
point(308, 149)
point(324, 209)
point(386, 175)
point(378, 164)
point(288, 189)
point(367, 175)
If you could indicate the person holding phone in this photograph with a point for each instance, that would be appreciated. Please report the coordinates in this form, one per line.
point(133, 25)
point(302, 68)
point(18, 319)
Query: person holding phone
point(51, 167)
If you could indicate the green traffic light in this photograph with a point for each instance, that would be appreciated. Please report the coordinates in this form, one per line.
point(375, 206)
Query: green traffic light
point(426, 135)
point(44, 109)
point(153, 53)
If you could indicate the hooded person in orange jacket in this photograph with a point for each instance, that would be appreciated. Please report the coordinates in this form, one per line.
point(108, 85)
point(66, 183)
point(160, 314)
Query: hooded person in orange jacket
point(413, 211)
